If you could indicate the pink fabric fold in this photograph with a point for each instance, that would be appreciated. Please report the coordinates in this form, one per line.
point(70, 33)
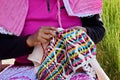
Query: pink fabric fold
point(13, 14)
point(83, 8)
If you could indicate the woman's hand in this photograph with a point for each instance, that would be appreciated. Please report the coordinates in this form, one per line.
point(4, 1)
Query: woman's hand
point(79, 27)
point(43, 35)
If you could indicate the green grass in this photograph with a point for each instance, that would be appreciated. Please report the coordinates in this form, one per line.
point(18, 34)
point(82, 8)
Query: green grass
point(109, 48)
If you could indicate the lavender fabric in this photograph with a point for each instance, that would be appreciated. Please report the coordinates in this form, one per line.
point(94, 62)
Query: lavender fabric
point(18, 73)
point(80, 76)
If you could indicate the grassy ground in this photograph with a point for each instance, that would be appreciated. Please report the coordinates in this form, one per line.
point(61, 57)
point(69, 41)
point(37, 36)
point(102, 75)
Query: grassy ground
point(109, 48)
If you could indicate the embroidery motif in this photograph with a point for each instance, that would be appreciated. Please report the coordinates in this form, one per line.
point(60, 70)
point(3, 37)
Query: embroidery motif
point(71, 50)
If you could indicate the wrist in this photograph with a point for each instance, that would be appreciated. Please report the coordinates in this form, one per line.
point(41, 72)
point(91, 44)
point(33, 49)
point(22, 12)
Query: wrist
point(29, 41)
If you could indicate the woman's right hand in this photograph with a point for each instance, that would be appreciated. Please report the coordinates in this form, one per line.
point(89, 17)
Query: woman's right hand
point(43, 35)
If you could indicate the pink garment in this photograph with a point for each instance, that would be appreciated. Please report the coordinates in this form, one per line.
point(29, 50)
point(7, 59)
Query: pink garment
point(13, 12)
point(82, 8)
point(37, 18)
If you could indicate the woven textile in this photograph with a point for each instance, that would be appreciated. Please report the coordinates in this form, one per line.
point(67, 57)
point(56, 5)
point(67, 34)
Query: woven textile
point(71, 50)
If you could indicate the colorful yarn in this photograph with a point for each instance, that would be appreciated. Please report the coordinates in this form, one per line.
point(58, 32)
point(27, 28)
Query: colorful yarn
point(68, 52)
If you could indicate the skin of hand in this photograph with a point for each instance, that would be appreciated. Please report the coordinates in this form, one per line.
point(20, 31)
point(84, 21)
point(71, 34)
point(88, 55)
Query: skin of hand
point(42, 35)
point(79, 27)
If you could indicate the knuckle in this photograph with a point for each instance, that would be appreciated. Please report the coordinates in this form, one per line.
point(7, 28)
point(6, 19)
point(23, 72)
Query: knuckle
point(38, 38)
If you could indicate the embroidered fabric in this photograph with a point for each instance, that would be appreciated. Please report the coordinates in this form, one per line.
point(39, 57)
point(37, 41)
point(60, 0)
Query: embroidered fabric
point(71, 50)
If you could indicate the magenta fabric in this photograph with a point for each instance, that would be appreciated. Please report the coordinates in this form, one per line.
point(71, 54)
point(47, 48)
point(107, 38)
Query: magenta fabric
point(13, 12)
point(37, 18)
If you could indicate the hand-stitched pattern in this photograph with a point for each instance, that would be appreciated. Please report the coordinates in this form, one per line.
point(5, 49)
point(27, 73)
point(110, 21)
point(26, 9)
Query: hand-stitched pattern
point(71, 50)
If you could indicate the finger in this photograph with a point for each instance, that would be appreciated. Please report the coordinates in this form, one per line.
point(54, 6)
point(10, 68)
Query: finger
point(75, 27)
point(43, 37)
point(49, 28)
point(41, 40)
point(37, 43)
point(82, 28)
point(47, 36)
point(51, 32)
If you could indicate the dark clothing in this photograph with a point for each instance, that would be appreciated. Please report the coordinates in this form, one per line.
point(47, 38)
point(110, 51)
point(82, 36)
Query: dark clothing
point(12, 46)
point(94, 26)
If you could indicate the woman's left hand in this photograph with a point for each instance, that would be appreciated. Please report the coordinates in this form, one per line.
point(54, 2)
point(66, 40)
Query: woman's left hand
point(79, 27)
